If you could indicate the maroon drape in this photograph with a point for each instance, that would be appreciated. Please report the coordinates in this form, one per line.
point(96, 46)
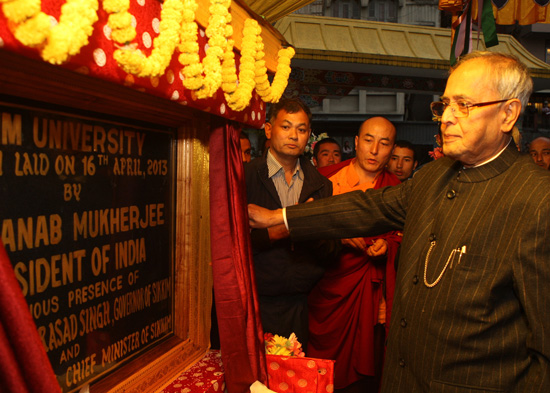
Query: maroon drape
point(24, 365)
point(241, 337)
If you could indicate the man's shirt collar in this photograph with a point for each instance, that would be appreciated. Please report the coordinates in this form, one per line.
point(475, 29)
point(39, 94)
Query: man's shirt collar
point(492, 158)
point(273, 166)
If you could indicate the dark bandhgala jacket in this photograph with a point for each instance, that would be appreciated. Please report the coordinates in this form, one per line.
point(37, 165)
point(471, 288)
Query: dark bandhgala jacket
point(286, 271)
point(485, 325)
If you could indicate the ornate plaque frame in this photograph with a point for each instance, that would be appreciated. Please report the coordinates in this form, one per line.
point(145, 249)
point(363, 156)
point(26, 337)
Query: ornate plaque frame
point(47, 85)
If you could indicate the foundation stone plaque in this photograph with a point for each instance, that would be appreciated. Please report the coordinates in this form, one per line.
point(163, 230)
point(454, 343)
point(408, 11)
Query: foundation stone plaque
point(86, 219)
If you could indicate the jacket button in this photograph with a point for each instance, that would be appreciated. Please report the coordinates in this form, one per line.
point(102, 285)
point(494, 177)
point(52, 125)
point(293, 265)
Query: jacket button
point(401, 362)
point(403, 322)
point(432, 237)
point(415, 279)
point(451, 194)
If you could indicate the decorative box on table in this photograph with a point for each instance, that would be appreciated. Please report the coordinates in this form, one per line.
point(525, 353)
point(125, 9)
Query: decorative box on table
point(292, 374)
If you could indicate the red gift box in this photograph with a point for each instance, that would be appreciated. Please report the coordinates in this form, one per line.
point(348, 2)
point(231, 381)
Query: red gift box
point(300, 374)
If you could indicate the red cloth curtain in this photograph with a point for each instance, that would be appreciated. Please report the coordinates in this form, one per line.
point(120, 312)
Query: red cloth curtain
point(241, 337)
point(24, 365)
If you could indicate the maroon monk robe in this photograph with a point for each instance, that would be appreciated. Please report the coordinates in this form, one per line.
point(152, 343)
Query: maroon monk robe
point(343, 307)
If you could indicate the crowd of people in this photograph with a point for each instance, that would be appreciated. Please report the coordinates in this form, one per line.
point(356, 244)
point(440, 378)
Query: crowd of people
point(335, 295)
point(433, 277)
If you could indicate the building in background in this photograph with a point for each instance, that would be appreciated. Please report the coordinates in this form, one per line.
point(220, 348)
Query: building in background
point(345, 92)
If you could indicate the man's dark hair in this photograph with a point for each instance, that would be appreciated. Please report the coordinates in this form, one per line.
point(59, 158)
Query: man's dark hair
point(407, 145)
point(290, 105)
point(318, 145)
point(243, 135)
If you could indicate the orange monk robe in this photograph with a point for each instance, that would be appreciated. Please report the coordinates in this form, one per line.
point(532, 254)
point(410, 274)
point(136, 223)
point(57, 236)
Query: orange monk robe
point(349, 301)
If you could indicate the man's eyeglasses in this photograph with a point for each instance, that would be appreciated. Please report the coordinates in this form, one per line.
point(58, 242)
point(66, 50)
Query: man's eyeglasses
point(459, 108)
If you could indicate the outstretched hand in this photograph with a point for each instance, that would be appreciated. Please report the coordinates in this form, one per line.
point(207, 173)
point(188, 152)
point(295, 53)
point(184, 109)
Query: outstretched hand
point(260, 217)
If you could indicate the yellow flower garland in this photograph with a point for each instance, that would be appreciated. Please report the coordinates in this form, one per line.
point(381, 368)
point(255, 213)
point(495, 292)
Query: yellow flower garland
point(132, 60)
point(218, 32)
point(189, 47)
point(177, 29)
point(238, 97)
point(120, 21)
point(229, 75)
point(253, 72)
point(33, 27)
point(280, 81)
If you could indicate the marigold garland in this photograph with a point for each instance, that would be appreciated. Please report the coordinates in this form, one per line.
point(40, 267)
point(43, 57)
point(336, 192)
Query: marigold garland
point(134, 61)
point(253, 72)
point(229, 75)
point(178, 28)
point(120, 21)
point(34, 28)
point(280, 81)
point(218, 32)
point(238, 97)
point(189, 47)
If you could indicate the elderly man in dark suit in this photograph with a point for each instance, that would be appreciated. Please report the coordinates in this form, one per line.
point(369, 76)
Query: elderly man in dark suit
point(472, 305)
